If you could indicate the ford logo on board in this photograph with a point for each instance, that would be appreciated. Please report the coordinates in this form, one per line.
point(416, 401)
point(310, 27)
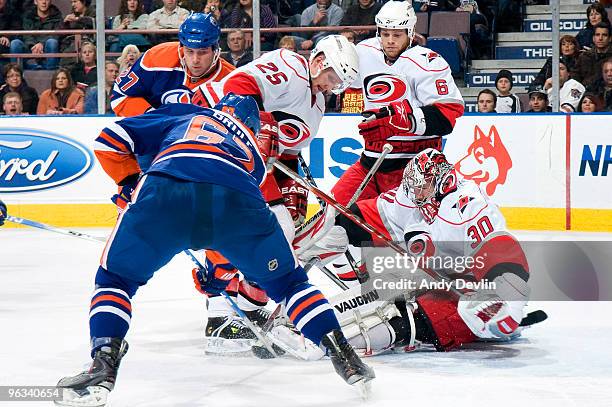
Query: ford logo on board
point(32, 160)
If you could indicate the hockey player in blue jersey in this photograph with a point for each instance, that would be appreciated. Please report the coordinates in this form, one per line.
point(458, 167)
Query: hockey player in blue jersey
point(202, 191)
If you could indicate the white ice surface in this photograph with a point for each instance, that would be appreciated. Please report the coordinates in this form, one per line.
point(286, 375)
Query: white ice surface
point(45, 285)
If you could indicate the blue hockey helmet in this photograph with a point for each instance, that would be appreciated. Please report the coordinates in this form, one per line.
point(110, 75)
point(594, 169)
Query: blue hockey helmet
point(199, 30)
point(243, 108)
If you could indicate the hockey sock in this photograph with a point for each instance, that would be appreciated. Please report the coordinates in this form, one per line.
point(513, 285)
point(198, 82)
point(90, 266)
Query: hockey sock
point(110, 311)
point(310, 312)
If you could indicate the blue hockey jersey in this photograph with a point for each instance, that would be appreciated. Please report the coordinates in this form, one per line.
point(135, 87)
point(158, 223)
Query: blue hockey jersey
point(189, 142)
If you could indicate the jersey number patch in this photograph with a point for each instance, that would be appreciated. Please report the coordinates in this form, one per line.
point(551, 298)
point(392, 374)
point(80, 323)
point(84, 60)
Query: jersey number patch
point(479, 231)
point(275, 77)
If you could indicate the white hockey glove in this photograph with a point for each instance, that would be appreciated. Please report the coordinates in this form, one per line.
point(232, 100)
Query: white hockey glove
point(489, 314)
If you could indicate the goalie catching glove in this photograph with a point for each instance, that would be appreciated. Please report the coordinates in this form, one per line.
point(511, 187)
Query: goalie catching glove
point(396, 119)
point(216, 274)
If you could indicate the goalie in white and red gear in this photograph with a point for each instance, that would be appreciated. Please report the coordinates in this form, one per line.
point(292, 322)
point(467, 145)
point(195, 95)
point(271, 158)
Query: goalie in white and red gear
point(410, 98)
point(446, 215)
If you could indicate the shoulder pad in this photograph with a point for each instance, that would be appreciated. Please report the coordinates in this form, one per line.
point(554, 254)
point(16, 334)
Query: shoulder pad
point(163, 56)
point(425, 58)
point(464, 204)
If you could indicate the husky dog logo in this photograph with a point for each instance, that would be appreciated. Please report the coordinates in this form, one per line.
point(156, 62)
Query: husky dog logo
point(487, 161)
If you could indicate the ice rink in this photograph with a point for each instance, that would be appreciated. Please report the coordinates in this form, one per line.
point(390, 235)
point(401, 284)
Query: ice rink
point(45, 284)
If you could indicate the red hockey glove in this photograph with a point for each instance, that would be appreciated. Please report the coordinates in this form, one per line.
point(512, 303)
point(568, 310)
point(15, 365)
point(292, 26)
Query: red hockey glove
point(214, 276)
point(393, 120)
point(267, 140)
point(296, 199)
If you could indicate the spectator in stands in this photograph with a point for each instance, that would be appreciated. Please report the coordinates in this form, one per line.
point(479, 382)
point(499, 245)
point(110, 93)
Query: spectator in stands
point(169, 16)
point(538, 101)
point(596, 14)
point(12, 105)
point(111, 71)
point(83, 17)
point(506, 102)
point(44, 16)
point(362, 13)
point(128, 57)
point(589, 103)
point(237, 55)
point(437, 5)
point(321, 14)
point(570, 91)
point(487, 101)
point(569, 49)
point(13, 75)
point(63, 97)
point(288, 42)
point(588, 65)
point(84, 72)
point(9, 20)
point(603, 86)
point(351, 35)
point(215, 7)
point(130, 16)
point(480, 36)
point(242, 17)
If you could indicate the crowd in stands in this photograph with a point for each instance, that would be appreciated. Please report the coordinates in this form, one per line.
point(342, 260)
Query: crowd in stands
point(586, 59)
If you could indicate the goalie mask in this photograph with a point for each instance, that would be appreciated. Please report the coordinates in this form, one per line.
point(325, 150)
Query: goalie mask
point(427, 179)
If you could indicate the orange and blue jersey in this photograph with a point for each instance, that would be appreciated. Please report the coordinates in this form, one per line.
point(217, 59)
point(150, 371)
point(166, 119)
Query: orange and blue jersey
point(158, 78)
point(189, 143)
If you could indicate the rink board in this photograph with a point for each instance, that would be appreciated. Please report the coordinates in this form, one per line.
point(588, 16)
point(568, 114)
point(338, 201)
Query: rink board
point(547, 172)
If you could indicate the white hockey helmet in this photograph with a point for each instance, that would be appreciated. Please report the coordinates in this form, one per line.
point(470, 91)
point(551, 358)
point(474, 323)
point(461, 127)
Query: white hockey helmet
point(341, 56)
point(397, 15)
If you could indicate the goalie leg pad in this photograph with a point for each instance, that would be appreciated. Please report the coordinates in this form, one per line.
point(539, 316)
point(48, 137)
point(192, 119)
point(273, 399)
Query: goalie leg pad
point(439, 310)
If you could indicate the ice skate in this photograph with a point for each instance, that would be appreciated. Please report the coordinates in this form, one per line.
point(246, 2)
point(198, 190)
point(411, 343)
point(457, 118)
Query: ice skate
point(346, 362)
point(228, 335)
point(90, 388)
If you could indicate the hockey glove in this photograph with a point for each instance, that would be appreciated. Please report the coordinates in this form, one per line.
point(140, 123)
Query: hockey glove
point(267, 140)
point(496, 313)
point(126, 188)
point(296, 199)
point(3, 213)
point(397, 119)
point(214, 277)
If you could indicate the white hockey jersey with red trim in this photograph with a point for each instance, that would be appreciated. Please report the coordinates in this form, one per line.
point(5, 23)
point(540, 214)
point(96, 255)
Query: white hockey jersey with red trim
point(283, 82)
point(419, 75)
point(465, 219)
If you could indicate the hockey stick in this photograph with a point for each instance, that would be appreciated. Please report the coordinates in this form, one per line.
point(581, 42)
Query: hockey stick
point(254, 328)
point(43, 226)
point(359, 222)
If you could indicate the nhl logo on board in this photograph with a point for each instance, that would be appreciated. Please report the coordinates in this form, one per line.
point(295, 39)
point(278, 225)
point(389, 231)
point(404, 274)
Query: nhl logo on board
point(272, 265)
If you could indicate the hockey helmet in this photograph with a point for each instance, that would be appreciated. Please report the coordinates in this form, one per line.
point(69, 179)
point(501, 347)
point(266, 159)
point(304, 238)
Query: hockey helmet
point(428, 177)
point(243, 108)
point(199, 30)
point(341, 56)
point(397, 15)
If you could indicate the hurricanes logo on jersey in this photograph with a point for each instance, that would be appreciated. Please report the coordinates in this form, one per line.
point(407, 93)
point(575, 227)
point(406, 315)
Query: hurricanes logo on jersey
point(431, 56)
point(291, 129)
point(462, 203)
point(384, 88)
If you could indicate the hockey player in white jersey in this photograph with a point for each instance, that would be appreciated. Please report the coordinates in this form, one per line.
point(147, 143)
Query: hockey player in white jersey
point(436, 213)
point(410, 99)
point(289, 90)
